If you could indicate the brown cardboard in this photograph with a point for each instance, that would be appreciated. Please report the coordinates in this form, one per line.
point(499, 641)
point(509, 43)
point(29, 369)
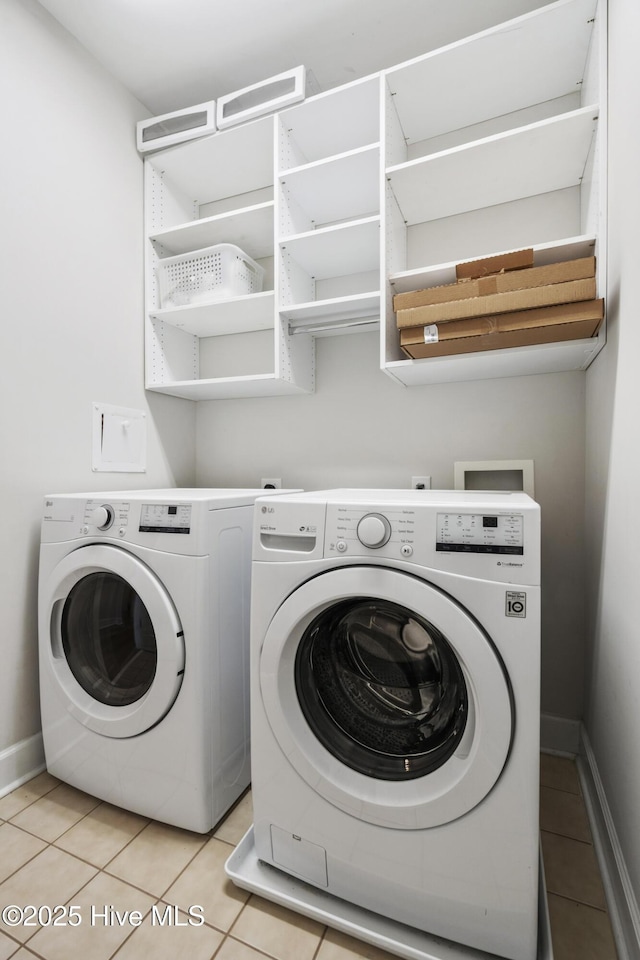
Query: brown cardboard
point(562, 272)
point(553, 333)
point(507, 261)
point(504, 322)
point(515, 338)
point(507, 302)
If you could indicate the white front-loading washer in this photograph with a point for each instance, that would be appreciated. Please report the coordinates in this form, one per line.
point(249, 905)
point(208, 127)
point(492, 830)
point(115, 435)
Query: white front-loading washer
point(144, 647)
point(395, 707)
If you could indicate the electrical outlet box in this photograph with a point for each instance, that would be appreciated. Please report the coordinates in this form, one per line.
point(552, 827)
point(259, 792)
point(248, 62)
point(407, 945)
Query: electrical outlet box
point(421, 483)
point(271, 483)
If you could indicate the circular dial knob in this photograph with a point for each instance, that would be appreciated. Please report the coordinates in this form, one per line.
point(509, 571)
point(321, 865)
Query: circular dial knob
point(373, 530)
point(102, 517)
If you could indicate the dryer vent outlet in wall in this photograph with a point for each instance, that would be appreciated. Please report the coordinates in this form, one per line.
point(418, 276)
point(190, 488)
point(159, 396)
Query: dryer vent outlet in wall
point(119, 439)
point(494, 475)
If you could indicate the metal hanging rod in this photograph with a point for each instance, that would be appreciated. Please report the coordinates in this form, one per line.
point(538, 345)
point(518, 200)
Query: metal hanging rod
point(334, 325)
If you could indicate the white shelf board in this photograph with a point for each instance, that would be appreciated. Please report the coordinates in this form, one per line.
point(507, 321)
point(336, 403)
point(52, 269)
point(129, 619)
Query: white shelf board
point(571, 248)
point(344, 186)
point(237, 315)
point(538, 158)
point(337, 120)
point(337, 251)
point(225, 164)
point(503, 67)
point(221, 388)
point(250, 228)
point(356, 306)
point(494, 364)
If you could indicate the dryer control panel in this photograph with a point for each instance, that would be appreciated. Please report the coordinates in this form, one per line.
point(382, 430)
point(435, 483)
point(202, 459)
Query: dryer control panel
point(165, 518)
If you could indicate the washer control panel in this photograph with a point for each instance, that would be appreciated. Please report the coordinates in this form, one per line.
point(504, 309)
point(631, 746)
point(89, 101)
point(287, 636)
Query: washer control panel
point(492, 536)
point(408, 532)
point(480, 533)
point(356, 531)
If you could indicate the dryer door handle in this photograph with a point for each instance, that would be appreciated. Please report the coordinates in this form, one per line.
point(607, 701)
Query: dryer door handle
point(55, 632)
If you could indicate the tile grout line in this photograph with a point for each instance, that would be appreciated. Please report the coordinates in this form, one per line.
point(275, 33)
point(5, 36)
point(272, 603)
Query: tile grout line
point(66, 830)
point(39, 797)
point(28, 834)
point(566, 836)
point(243, 943)
point(581, 903)
point(320, 942)
point(569, 793)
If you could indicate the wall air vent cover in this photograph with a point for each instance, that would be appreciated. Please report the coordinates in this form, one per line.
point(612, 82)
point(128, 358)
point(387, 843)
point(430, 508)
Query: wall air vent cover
point(158, 132)
point(264, 97)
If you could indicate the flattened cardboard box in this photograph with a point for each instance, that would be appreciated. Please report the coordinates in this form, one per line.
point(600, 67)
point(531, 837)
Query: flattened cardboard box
point(550, 273)
point(547, 330)
point(503, 322)
point(515, 260)
point(527, 299)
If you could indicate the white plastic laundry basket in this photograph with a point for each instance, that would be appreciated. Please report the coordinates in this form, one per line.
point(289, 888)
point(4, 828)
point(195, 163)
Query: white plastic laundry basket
point(203, 276)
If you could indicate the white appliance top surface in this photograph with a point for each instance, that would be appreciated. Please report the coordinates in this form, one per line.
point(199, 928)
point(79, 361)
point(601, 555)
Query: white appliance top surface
point(216, 497)
point(500, 499)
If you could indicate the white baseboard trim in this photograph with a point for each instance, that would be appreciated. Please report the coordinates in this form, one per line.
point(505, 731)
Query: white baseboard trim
point(20, 763)
point(624, 913)
point(558, 735)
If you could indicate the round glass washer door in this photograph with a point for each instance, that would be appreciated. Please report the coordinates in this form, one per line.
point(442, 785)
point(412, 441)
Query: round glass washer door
point(381, 688)
point(116, 643)
point(386, 696)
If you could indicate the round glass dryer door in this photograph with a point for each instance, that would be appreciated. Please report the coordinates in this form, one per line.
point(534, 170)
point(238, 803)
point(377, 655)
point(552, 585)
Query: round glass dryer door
point(116, 643)
point(386, 696)
point(108, 639)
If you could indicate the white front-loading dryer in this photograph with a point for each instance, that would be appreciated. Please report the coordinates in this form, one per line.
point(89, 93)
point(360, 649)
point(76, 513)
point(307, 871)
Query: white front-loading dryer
point(144, 648)
point(395, 706)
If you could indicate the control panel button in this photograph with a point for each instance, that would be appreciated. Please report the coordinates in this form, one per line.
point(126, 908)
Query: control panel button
point(373, 530)
point(406, 550)
point(341, 546)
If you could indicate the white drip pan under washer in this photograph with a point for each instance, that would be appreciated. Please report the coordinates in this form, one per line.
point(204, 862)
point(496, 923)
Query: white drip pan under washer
point(250, 873)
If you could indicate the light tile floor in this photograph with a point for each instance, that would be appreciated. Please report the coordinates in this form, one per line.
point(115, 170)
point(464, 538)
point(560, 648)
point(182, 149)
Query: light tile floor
point(580, 927)
point(132, 882)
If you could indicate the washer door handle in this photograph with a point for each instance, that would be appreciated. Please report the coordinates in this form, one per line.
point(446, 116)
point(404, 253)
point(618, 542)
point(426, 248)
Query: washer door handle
point(464, 747)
